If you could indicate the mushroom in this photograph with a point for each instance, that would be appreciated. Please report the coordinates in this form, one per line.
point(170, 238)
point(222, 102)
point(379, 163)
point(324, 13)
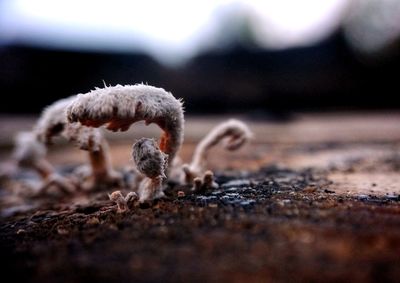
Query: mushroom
point(233, 132)
point(53, 122)
point(120, 106)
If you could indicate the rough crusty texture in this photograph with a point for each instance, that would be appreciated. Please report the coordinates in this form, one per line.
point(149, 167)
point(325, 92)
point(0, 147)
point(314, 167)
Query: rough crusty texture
point(120, 106)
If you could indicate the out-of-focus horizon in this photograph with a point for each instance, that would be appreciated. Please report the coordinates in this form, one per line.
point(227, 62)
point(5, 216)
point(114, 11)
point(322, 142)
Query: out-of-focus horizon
point(263, 55)
point(171, 31)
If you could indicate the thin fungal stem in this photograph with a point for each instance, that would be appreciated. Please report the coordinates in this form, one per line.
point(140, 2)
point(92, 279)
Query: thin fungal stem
point(100, 161)
point(43, 167)
point(233, 132)
point(30, 152)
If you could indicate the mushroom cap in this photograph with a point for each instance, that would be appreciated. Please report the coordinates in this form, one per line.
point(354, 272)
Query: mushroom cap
point(120, 106)
point(53, 122)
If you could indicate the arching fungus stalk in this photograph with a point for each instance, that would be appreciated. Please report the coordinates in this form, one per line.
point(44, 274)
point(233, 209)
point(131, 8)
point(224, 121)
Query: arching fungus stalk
point(233, 132)
point(30, 152)
point(120, 106)
point(53, 122)
point(151, 162)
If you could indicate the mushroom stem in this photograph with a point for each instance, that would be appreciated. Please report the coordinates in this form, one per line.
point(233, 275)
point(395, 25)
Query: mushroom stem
point(100, 162)
point(43, 167)
point(30, 152)
point(151, 188)
point(235, 132)
point(171, 139)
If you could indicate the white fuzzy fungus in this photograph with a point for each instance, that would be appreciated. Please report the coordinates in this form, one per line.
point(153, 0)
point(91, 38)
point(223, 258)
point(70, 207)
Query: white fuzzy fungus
point(233, 133)
point(120, 106)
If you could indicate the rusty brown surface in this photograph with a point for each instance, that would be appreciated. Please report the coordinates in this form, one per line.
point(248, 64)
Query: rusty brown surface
point(315, 199)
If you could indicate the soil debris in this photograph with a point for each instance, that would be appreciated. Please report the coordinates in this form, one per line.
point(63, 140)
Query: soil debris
point(263, 225)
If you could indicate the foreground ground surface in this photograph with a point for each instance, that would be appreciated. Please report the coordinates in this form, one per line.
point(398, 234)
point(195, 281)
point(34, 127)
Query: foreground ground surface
point(314, 199)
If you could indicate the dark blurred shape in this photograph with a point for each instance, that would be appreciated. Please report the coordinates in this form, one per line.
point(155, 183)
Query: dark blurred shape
point(326, 76)
point(373, 26)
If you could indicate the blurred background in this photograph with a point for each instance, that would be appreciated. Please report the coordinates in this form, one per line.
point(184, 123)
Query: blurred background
point(263, 58)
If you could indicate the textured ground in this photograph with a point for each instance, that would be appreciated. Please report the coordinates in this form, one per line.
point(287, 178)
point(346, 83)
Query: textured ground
point(313, 199)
